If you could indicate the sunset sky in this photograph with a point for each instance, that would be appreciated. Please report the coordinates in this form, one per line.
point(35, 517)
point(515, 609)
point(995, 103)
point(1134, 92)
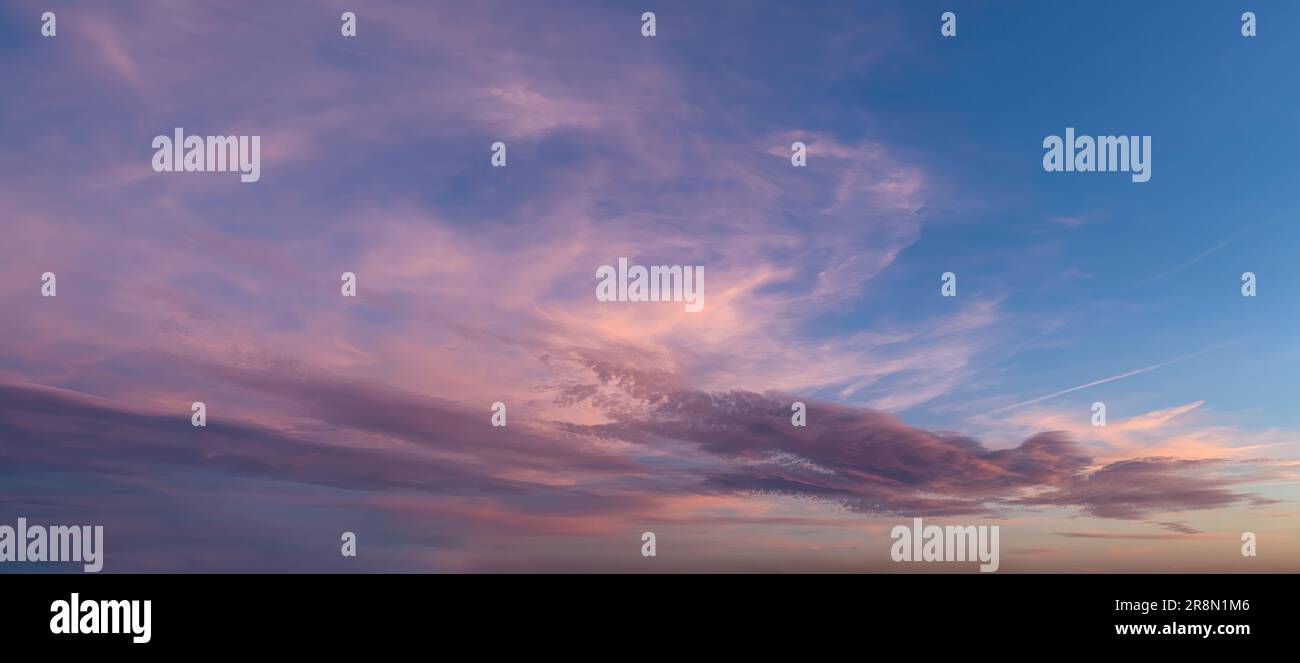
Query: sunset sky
point(476, 284)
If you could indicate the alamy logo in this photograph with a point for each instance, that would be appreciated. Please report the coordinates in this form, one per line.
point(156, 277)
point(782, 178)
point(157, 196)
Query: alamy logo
point(95, 617)
point(197, 154)
point(932, 543)
point(57, 543)
point(1103, 154)
point(655, 284)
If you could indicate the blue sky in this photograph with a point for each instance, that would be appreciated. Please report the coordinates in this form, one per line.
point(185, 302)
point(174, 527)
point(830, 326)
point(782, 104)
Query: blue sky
point(1151, 271)
point(370, 414)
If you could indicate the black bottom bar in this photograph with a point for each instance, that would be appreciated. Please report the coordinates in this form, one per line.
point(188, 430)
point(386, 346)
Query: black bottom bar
point(930, 615)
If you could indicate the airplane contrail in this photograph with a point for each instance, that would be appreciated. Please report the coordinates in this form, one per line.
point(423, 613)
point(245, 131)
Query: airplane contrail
point(1109, 379)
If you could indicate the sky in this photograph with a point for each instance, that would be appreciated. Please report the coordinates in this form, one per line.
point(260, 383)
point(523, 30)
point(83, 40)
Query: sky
point(372, 414)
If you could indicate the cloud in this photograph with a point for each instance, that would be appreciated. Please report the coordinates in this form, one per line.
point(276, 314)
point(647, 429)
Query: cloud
point(1070, 221)
point(1184, 431)
point(871, 462)
point(1126, 536)
point(1130, 489)
point(659, 442)
point(1180, 527)
point(476, 285)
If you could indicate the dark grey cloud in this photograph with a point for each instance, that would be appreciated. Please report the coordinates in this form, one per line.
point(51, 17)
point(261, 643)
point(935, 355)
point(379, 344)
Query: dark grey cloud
point(872, 462)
